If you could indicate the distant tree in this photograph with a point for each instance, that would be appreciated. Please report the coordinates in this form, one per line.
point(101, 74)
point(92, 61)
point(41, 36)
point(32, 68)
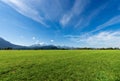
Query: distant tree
point(8, 48)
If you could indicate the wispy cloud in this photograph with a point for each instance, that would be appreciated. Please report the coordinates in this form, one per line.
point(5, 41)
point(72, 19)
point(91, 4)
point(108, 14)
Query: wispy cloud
point(112, 21)
point(26, 10)
point(85, 21)
point(119, 8)
point(77, 9)
point(65, 19)
point(102, 39)
point(51, 9)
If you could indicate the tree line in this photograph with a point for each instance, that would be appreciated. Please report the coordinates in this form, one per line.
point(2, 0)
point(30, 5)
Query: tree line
point(55, 48)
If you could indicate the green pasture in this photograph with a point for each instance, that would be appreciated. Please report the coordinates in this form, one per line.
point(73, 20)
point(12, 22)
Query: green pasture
point(60, 65)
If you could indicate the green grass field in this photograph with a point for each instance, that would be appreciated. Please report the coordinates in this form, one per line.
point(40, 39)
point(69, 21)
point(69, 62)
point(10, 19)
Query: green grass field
point(66, 65)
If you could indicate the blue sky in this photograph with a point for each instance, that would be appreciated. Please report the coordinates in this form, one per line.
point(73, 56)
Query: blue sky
point(78, 23)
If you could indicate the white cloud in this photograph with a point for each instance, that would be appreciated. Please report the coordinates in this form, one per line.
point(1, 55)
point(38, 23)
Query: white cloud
point(51, 40)
point(80, 22)
point(25, 9)
point(37, 41)
point(85, 21)
point(33, 38)
point(77, 9)
point(52, 9)
point(65, 19)
point(42, 43)
point(102, 39)
point(112, 21)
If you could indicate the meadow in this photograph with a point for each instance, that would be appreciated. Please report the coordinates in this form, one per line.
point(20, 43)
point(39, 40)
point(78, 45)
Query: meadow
point(60, 65)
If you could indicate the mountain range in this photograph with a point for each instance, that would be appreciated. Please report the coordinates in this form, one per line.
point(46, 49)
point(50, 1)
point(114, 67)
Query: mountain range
point(5, 44)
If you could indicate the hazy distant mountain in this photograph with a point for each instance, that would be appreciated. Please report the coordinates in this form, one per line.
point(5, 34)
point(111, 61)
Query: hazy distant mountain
point(36, 45)
point(39, 46)
point(6, 44)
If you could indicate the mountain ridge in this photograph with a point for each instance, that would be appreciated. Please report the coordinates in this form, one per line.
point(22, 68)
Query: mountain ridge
point(6, 44)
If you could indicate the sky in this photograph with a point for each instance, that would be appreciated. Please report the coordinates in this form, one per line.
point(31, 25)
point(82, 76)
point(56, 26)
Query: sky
point(75, 23)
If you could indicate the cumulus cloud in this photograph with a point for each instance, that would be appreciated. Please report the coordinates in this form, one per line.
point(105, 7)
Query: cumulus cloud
point(51, 40)
point(37, 41)
point(102, 39)
point(33, 38)
point(42, 43)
